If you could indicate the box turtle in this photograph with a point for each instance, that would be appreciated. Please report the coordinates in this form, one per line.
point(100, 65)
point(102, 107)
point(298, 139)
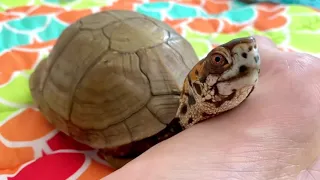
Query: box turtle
point(121, 82)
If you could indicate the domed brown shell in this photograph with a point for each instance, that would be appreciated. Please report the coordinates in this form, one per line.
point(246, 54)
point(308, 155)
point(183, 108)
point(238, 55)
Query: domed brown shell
point(112, 78)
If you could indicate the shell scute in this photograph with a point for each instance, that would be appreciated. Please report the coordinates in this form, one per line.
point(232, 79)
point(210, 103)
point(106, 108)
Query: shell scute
point(111, 91)
point(116, 135)
point(164, 107)
point(143, 124)
point(160, 65)
point(177, 43)
point(72, 64)
point(68, 34)
point(130, 35)
point(97, 21)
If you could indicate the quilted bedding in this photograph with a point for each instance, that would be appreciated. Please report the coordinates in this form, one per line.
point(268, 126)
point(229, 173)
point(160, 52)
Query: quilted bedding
point(30, 148)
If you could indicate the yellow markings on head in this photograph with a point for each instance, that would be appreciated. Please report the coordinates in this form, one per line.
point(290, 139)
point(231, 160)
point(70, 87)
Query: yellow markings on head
point(185, 88)
point(196, 71)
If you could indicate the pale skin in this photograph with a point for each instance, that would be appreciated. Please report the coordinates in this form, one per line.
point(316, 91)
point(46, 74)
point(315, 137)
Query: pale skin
point(274, 134)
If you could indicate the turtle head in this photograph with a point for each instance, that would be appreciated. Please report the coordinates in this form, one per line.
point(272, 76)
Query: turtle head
point(236, 62)
point(220, 81)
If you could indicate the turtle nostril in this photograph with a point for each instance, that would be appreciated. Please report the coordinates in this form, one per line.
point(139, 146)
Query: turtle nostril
point(243, 69)
point(256, 59)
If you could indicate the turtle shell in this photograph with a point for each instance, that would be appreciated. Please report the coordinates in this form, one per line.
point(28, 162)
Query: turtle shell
point(112, 78)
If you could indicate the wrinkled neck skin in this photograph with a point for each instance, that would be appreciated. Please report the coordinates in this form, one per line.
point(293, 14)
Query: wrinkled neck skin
point(212, 88)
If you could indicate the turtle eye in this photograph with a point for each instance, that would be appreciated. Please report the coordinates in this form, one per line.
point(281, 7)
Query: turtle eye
point(218, 59)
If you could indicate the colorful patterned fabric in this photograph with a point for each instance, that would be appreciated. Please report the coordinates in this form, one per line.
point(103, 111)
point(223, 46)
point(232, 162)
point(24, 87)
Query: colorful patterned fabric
point(314, 3)
point(30, 148)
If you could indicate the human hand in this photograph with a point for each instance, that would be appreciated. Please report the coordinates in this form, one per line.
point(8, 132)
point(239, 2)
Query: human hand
point(274, 134)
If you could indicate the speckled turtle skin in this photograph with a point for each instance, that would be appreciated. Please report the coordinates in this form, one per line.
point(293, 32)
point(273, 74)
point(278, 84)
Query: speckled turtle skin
point(121, 82)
